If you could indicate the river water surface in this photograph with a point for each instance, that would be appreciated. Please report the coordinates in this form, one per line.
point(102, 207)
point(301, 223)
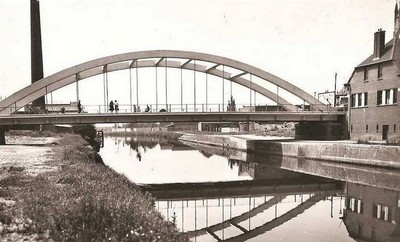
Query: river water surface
point(216, 194)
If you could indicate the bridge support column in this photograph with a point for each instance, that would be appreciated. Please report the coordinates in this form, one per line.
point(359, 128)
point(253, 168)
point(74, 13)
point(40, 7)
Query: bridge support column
point(319, 131)
point(2, 136)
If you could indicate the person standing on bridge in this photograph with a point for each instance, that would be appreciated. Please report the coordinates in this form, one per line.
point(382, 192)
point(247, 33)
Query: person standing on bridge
point(111, 105)
point(116, 106)
point(134, 108)
point(79, 106)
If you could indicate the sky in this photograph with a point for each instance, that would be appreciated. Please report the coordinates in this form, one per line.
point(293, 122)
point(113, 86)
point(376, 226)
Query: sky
point(302, 41)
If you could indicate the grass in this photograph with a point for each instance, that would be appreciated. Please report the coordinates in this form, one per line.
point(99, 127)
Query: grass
point(87, 201)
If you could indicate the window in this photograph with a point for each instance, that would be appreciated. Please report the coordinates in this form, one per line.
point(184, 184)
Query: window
point(379, 98)
point(366, 128)
point(359, 100)
point(353, 100)
point(351, 128)
point(382, 212)
point(365, 74)
point(387, 97)
point(377, 128)
point(379, 71)
point(355, 205)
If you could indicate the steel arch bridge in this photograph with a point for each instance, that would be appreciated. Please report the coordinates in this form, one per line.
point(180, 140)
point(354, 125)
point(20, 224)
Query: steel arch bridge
point(162, 58)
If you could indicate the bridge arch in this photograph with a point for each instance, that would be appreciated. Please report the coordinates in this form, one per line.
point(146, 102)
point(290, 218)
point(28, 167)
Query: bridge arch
point(140, 59)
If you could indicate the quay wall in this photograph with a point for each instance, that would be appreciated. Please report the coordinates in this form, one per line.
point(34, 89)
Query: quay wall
point(338, 151)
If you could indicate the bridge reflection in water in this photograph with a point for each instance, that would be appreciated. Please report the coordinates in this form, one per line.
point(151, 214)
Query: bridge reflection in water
point(270, 198)
point(241, 210)
point(371, 202)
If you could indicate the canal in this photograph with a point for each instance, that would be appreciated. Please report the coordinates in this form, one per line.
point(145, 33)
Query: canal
point(214, 194)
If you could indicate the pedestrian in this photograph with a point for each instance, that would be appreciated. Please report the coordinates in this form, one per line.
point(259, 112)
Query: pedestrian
point(116, 106)
point(138, 109)
point(111, 106)
point(134, 108)
point(79, 106)
point(147, 109)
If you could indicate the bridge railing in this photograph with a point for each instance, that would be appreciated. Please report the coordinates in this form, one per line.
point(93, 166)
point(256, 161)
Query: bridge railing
point(127, 108)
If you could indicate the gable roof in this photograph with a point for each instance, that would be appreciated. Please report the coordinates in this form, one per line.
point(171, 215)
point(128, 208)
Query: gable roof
point(388, 54)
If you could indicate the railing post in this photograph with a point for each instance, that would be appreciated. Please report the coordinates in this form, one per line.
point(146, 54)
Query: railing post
point(202, 108)
point(219, 107)
point(186, 107)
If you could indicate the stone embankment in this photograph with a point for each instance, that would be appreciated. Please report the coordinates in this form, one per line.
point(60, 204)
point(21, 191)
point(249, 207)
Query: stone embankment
point(335, 151)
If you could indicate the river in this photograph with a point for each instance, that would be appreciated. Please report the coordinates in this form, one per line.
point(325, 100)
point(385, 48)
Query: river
point(216, 194)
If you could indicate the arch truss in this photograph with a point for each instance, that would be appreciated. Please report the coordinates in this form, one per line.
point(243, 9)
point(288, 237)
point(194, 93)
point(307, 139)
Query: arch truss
point(184, 60)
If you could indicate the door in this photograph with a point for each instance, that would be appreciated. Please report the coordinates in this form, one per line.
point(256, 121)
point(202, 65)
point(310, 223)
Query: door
point(385, 130)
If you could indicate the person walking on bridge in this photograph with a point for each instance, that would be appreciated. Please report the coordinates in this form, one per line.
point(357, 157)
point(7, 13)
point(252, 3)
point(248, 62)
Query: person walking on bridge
point(111, 105)
point(116, 106)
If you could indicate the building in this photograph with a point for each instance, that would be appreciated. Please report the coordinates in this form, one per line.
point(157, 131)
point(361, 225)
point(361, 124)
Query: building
point(372, 213)
point(373, 88)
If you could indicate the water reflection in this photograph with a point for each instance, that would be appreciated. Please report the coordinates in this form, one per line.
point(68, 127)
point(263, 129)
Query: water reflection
point(370, 211)
point(214, 194)
point(147, 161)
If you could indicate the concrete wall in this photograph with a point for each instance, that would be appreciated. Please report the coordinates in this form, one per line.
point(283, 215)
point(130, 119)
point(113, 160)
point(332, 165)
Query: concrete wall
point(344, 152)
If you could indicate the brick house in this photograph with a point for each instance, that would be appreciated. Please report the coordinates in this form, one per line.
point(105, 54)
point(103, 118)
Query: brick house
point(374, 113)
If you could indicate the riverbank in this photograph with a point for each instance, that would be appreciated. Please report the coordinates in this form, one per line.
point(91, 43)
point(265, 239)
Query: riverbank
point(334, 151)
point(55, 190)
point(170, 135)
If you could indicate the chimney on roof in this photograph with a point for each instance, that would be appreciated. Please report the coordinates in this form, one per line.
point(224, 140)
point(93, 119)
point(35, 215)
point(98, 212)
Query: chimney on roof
point(379, 43)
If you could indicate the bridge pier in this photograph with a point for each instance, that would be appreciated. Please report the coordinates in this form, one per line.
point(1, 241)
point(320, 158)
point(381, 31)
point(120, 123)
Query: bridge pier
point(320, 131)
point(2, 136)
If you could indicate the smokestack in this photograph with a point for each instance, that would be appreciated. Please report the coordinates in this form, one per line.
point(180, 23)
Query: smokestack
point(379, 43)
point(396, 19)
point(36, 50)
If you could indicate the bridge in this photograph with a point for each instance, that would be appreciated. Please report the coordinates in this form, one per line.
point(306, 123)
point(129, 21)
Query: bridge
point(233, 71)
point(217, 209)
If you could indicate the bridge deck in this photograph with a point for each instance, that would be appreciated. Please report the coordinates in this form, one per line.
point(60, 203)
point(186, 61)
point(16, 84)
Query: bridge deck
point(169, 117)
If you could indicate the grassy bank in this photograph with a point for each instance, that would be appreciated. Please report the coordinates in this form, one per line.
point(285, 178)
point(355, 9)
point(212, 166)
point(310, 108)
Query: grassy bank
point(83, 200)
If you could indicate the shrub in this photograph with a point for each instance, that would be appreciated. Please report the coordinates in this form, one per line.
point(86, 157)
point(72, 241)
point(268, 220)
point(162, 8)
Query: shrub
point(87, 131)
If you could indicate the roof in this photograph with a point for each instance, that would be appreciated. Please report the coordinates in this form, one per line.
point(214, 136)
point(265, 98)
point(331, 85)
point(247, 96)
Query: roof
point(387, 54)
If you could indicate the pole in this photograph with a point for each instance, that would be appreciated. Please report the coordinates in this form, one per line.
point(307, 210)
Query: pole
point(104, 92)
point(166, 85)
point(77, 91)
point(206, 92)
point(107, 86)
point(156, 88)
point(181, 89)
point(251, 87)
point(334, 95)
point(277, 97)
point(223, 87)
point(194, 85)
point(130, 88)
point(137, 85)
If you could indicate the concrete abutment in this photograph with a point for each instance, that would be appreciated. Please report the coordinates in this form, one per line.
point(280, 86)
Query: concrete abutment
point(2, 136)
point(320, 131)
